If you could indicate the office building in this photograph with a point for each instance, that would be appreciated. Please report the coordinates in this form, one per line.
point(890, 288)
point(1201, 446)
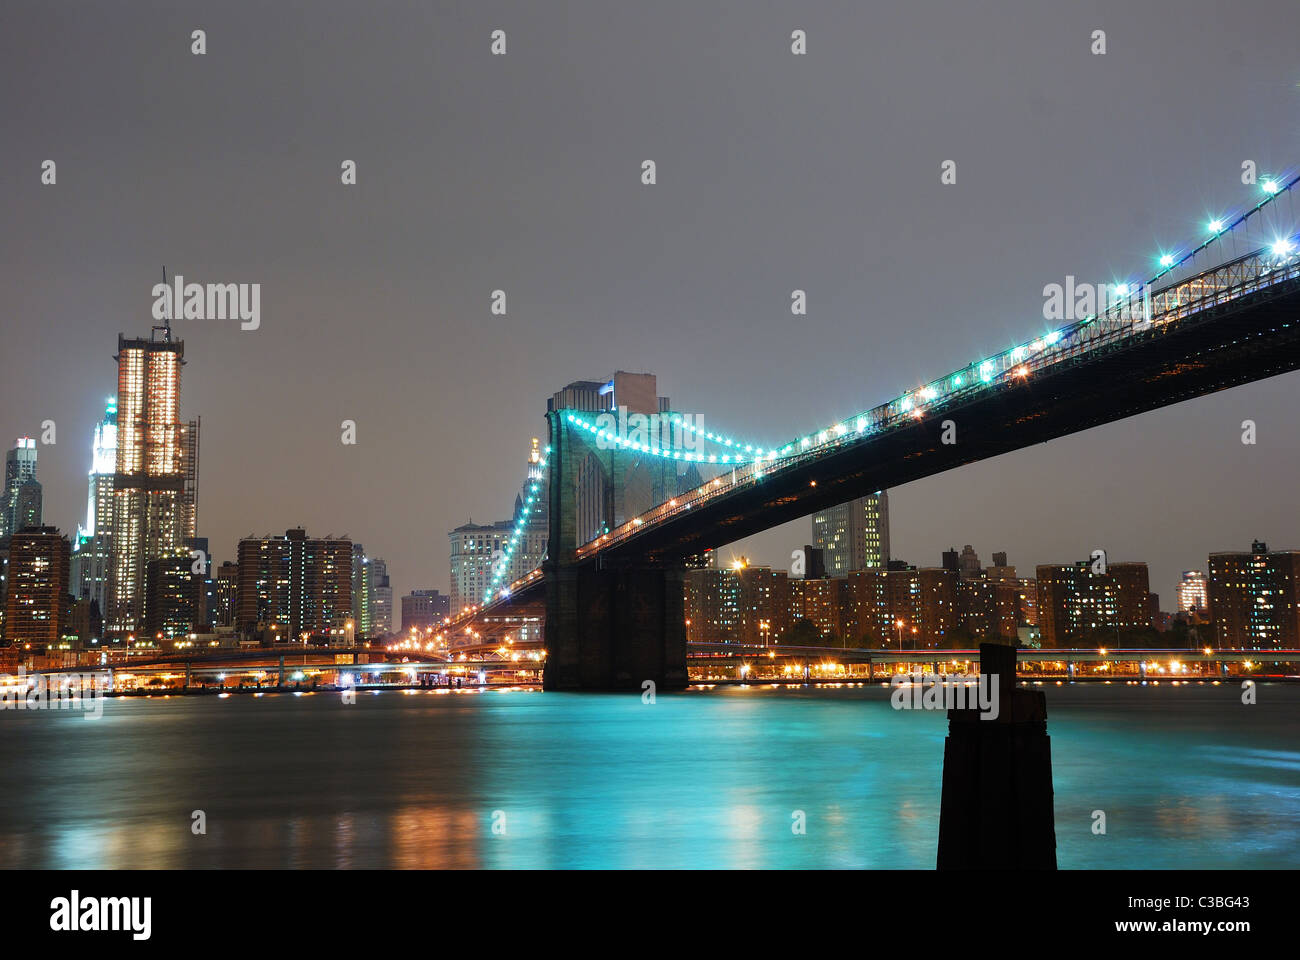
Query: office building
point(155, 484)
point(20, 503)
point(1193, 591)
point(92, 551)
point(380, 612)
point(853, 535)
point(173, 599)
point(423, 609)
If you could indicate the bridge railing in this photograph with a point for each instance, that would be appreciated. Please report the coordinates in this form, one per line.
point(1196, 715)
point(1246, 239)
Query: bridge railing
point(1143, 313)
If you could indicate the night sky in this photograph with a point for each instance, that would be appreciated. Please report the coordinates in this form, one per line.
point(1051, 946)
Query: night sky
point(522, 173)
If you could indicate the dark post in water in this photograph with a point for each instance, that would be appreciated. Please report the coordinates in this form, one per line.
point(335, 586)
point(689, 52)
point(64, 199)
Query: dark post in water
point(996, 811)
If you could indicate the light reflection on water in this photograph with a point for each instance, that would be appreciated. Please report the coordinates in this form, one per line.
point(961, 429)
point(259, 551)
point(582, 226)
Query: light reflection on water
point(1187, 777)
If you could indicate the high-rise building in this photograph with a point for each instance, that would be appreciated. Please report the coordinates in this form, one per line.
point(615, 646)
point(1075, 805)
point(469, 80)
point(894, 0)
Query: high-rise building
point(224, 602)
point(361, 590)
point(1254, 598)
point(20, 504)
point(475, 551)
point(854, 535)
point(710, 602)
point(294, 585)
point(818, 601)
point(155, 484)
point(381, 599)
point(1076, 604)
point(422, 609)
point(35, 601)
point(173, 598)
point(92, 556)
point(938, 606)
point(1193, 591)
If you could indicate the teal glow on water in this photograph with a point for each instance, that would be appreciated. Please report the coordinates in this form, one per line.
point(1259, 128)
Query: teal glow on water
point(1187, 776)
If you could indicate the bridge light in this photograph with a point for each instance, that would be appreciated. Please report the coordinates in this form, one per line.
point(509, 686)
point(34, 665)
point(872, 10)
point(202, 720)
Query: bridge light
point(1282, 247)
point(1167, 260)
point(1270, 187)
point(1216, 226)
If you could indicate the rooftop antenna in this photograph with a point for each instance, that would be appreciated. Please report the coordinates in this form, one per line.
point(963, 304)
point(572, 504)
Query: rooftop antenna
point(166, 328)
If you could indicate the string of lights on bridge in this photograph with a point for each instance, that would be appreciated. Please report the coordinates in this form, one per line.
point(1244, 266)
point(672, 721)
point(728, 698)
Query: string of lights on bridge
point(746, 454)
point(1012, 363)
point(502, 565)
point(1008, 363)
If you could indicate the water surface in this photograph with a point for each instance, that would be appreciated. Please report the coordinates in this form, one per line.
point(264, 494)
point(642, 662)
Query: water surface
point(1187, 777)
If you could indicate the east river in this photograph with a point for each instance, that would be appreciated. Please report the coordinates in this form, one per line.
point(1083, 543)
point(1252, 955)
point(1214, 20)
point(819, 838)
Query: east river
point(1186, 776)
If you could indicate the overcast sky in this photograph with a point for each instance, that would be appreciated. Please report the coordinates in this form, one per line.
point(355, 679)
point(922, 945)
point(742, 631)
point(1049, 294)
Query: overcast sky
point(522, 173)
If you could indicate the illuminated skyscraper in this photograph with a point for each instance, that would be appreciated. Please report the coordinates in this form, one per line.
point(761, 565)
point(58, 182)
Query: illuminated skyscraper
point(155, 485)
point(854, 535)
point(1192, 591)
point(92, 557)
point(21, 504)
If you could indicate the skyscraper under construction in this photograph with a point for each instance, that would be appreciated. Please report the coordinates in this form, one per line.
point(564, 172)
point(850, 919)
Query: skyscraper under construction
point(155, 485)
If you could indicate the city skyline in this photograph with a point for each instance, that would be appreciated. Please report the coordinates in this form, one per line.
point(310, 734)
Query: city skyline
point(733, 551)
point(409, 343)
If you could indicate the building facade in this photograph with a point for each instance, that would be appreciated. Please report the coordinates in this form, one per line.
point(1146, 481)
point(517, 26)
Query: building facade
point(36, 607)
point(21, 501)
point(1193, 591)
point(155, 483)
point(1078, 604)
point(1253, 598)
point(422, 609)
point(93, 551)
point(294, 585)
point(853, 535)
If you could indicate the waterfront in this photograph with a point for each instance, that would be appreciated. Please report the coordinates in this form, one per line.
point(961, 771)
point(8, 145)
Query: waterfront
point(1187, 776)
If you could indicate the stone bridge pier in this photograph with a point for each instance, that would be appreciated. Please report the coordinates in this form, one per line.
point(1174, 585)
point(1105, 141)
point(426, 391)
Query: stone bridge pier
point(609, 625)
point(615, 628)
